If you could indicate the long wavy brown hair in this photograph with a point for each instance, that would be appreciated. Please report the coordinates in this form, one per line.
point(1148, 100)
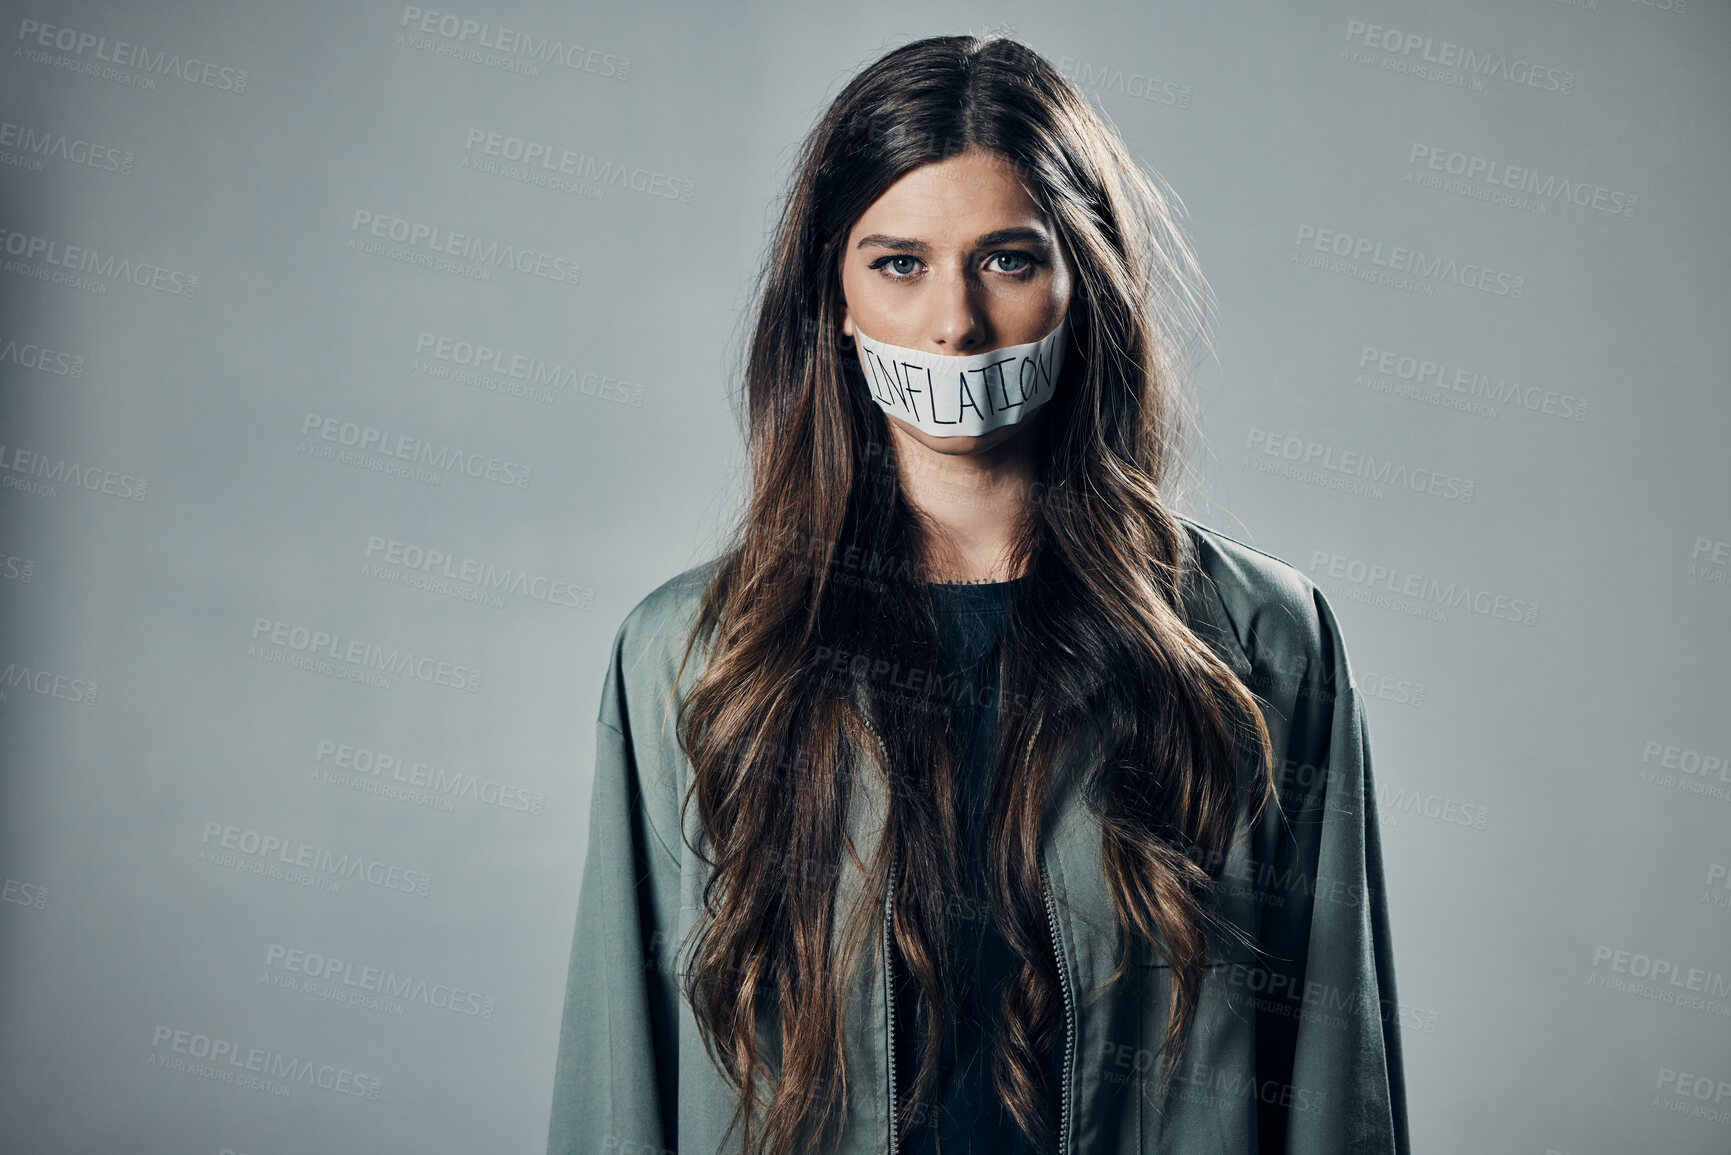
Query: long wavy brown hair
point(828, 560)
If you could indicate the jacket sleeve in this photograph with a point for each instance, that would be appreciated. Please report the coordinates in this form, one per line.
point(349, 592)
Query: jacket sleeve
point(1328, 1031)
point(615, 1080)
point(1348, 1046)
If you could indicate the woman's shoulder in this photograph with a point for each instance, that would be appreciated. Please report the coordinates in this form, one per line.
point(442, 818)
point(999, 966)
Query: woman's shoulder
point(1265, 604)
point(671, 604)
point(1256, 609)
point(650, 642)
point(664, 616)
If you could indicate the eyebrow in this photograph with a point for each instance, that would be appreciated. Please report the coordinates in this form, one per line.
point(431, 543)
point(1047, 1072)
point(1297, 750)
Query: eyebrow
point(999, 237)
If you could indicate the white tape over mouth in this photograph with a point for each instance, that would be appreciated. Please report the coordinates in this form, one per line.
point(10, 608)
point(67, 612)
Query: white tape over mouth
point(962, 396)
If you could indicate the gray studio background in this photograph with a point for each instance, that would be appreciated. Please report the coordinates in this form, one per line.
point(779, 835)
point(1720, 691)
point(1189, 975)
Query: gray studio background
point(313, 536)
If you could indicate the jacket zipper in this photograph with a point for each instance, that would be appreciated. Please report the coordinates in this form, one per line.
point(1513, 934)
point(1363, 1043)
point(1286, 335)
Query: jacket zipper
point(890, 1009)
point(1069, 1006)
point(1069, 1015)
point(889, 964)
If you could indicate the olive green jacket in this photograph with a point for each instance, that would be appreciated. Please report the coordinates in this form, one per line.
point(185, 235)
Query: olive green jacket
point(1296, 1043)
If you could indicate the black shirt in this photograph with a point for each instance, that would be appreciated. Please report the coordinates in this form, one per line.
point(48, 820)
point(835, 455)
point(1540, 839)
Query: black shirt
point(967, 1112)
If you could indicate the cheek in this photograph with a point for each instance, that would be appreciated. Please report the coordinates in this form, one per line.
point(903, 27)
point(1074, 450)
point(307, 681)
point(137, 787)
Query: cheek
point(857, 284)
point(1063, 289)
point(1063, 296)
point(867, 302)
point(853, 293)
point(844, 305)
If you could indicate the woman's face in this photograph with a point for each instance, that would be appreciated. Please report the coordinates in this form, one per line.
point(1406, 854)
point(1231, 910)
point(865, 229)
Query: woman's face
point(955, 258)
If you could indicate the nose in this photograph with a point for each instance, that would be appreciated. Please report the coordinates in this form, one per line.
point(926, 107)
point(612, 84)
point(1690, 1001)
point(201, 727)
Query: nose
point(956, 323)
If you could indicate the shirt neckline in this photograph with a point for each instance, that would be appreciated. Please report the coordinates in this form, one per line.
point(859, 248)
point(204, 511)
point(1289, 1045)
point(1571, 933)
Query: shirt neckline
point(977, 585)
point(971, 597)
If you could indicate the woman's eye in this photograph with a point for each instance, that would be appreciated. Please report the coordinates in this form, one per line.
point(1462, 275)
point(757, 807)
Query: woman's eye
point(899, 271)
point(902, 267)
point(1026, 259)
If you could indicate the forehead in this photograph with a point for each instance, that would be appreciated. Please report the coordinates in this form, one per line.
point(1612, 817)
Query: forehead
point(953, 200)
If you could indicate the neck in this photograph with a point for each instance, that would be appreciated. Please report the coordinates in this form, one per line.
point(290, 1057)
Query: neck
point(975, 501)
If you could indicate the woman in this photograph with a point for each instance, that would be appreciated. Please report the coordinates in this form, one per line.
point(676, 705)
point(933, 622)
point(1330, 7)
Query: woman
point(972, 797)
